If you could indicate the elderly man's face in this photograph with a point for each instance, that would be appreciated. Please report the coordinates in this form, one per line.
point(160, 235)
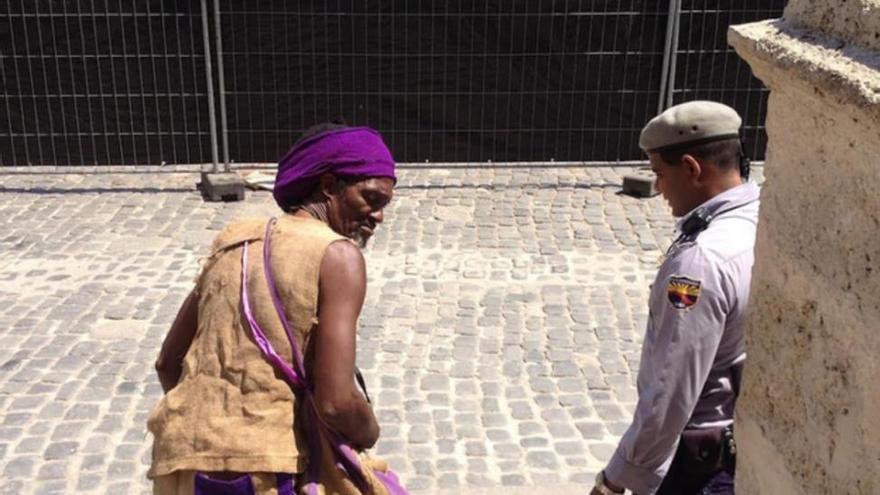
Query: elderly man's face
point(358, 209)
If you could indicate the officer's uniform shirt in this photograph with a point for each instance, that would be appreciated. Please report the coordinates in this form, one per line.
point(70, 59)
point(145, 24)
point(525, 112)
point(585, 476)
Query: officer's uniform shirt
point(694, 336)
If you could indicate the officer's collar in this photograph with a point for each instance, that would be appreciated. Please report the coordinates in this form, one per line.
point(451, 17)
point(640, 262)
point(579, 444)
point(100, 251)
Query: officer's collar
point(729, 199)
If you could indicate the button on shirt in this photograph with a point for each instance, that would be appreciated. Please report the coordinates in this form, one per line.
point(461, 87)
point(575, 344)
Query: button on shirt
point(694, 337)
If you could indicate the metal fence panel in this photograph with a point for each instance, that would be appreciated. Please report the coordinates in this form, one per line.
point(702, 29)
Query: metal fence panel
point(114, 82)
point(707, 68)
point(102, 82)
point(446, 81)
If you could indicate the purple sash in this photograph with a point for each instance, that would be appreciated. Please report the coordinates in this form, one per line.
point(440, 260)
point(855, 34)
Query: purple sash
point(346, 458)
point(239, 486)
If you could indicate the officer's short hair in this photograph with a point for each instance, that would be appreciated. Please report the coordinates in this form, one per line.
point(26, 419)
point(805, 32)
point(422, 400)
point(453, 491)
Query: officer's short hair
point(724, 154)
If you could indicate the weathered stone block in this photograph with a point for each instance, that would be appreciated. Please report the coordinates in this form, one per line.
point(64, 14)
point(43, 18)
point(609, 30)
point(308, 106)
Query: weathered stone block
point(222, 187)
point(639, 185)
point(806, 421)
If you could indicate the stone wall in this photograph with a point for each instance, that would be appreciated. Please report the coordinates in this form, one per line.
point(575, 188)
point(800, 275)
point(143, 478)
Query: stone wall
point(808, 421)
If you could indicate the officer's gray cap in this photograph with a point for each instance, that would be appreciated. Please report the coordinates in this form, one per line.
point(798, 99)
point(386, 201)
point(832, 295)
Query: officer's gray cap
point(691, 123)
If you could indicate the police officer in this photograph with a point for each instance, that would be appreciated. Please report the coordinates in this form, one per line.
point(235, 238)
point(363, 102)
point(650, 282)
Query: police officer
point(681, 439)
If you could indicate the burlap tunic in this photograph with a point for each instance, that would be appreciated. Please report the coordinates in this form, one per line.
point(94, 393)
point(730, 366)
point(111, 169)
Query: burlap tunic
point(232, 411)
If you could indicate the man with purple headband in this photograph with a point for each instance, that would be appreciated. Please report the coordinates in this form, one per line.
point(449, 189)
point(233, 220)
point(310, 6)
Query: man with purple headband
point(259, 365)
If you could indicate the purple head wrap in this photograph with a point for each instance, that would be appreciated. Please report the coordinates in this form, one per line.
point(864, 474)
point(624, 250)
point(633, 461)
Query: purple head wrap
point(347, 152)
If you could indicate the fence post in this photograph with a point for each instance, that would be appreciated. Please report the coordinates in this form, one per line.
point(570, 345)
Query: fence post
point(212, 117)
point(670, 53)
point(221, 84)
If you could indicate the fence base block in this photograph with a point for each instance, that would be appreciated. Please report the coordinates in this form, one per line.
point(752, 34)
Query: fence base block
point(222, 187)
point(640, 186)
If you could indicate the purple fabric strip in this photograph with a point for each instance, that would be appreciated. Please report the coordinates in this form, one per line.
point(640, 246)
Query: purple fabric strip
point(276, 301)
point(351, 152)
point(313, 472)
point(243, 485)
point(284, 482)
point(390, 482)
point(346, 456)
point(260, 337)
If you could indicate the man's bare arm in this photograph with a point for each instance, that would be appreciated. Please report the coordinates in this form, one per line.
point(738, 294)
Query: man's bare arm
point(343, 284)
point(169, 364)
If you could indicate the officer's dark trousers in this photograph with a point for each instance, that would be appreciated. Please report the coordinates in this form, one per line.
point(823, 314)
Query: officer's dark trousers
point(692, 475)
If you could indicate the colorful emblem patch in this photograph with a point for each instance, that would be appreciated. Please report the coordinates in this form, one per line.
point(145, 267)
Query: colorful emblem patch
point(683, 292)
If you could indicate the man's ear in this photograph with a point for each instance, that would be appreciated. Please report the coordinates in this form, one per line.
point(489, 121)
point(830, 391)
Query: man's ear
point(693, 169)
point(327, 185)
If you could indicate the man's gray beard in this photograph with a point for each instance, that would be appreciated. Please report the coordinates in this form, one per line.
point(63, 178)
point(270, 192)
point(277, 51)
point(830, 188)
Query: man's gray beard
point(360, 240)
point(319, 211)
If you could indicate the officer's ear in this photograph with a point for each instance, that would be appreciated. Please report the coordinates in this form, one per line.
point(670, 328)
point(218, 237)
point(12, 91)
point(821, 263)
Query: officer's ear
point(692, 169)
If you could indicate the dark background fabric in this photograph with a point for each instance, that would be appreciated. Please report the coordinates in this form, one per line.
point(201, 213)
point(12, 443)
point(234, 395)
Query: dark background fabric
point(112, 82)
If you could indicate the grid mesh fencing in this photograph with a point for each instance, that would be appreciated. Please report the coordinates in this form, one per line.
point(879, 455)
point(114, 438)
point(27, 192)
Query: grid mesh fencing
point(454, 81)
point(707, 68)
point(102, 82)
point(114, 82)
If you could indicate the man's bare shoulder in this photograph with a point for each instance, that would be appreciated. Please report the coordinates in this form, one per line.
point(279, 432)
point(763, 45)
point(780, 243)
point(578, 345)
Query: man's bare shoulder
point(343, 258)
point(345, 252)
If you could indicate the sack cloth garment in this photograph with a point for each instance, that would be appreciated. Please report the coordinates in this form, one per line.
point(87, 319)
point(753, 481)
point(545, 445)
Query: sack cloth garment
point(233, 410)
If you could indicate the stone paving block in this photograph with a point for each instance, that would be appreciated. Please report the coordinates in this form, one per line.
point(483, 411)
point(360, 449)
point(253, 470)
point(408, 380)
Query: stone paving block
point(88, 482)
point(542, 459)
point(39, 428)
point(29, 445)
point(497, 435)
point(52, 470)
point(9, 434)
point(533, 442)
point(19, 467)
point(68, 430)
point(60, 450)
point(513, 480)
point(52, 487)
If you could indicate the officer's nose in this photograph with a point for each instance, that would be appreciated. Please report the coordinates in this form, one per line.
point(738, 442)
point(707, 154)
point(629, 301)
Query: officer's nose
point(378, 216)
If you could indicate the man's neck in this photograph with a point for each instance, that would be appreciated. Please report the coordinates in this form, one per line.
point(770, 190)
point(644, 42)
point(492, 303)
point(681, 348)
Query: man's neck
point(725, 183)
point(317, 211)
point(716, 187)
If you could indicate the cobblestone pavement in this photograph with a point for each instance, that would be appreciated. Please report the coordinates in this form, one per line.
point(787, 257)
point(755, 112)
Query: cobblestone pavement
point(499, 338)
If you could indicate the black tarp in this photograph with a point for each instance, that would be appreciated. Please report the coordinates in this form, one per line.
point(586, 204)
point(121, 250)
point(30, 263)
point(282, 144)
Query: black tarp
point(114, 82)
point(102, 82)
point(448, 81)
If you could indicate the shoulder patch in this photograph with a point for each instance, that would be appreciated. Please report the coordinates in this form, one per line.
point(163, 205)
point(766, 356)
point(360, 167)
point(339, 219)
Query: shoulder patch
point(683, 292)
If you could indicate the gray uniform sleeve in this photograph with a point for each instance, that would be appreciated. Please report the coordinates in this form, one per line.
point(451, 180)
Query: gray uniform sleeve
point(687, 321)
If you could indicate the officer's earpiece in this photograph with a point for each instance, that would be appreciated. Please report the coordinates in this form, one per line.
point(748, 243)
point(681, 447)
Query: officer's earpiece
point(697, 222)
point(745, 165)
